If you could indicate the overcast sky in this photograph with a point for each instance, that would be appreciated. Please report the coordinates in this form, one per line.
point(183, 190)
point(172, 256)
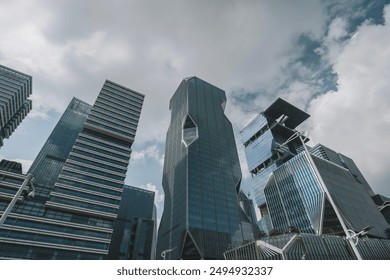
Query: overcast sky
point(329, 58)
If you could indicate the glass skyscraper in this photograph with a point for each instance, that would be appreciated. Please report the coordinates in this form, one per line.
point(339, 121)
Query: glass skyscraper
point(15, 88)
point(80, 175)
point(54, 153)
point(301, 191)
point(134, 236)
point(295, 198)
point(201, 176)
point(262, 139)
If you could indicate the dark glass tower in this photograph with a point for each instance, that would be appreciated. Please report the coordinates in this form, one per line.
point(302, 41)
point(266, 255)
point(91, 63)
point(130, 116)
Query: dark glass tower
point(201, 176)
point(15, 88)
point(134, 236)
point(80, 177)
point(54, 153)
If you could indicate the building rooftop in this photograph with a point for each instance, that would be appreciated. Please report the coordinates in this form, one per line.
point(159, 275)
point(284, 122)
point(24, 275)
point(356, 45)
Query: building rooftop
point(280, 108)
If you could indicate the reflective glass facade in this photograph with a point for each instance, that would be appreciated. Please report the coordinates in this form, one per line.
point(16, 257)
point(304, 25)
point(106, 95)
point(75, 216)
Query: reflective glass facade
point(201, 176)
point(134, 235)
point(15, 88)
point(343, 161)
point(285, 184)
point(296, 198)
point(262, 139)
point(352, 199)
point(87, 163)
point(51, 158)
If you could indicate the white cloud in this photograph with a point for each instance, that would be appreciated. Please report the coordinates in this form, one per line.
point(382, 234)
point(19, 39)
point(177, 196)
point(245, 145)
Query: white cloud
point(151, 152)
point(70, 47)
point(355, 119)
point(337, 29)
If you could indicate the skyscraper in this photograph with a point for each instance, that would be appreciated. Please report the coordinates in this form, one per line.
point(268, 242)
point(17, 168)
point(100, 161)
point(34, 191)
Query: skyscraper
point(52, 157)
point(262, 138)
point(321, 192)
point(15, 88)
point(86, 159)
point(296, 198)
point(134, 236)
point(201, 176)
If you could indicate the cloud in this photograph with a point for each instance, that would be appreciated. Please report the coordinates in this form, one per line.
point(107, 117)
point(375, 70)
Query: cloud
point(254, 50)
point(355, 119)
point(150, 153)
point(230, 44)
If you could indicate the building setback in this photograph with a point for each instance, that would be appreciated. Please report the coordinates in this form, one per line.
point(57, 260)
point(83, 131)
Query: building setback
point(78, 198)
point(201, 177)
point(15, 88)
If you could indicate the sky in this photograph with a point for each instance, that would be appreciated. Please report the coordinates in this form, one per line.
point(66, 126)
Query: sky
point(329, 58)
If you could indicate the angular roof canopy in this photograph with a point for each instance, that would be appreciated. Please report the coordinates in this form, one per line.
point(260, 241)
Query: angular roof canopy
point(281, 107)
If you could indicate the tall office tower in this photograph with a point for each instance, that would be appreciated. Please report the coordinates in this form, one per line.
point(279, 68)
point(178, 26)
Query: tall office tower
point(51, 158)
point(262, 138)
point(134, 236)
point(299, 189)
point(15, 88)
point(201, 176)
point(75, 220)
